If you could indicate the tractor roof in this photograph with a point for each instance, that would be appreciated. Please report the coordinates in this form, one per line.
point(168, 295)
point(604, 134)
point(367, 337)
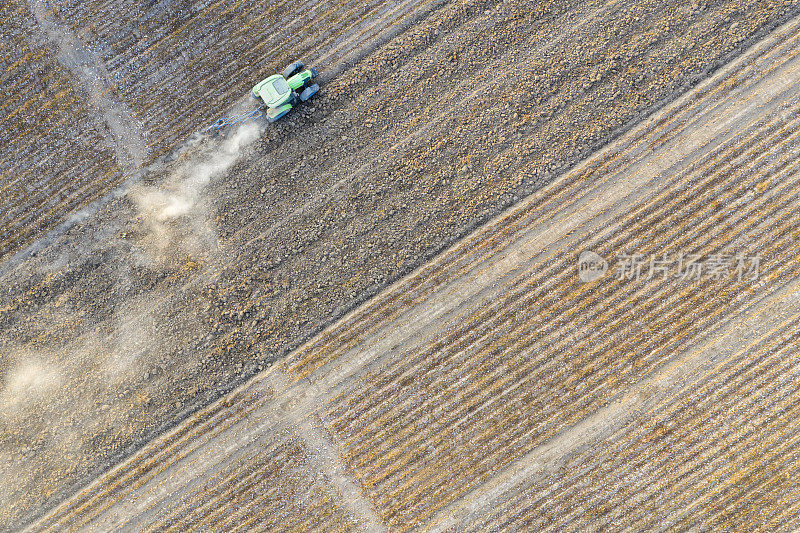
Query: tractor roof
point(274, 89)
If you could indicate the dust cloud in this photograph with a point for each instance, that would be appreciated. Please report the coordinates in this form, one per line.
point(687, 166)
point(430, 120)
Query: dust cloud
point(83, 372)
point(174, 214)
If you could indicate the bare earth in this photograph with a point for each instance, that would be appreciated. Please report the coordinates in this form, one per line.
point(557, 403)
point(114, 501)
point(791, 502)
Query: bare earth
point(492, 389)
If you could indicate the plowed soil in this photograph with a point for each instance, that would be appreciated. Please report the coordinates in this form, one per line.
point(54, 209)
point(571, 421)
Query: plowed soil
point(202, 265)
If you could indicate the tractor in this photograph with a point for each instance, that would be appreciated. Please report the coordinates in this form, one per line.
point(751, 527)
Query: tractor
point(282, 92)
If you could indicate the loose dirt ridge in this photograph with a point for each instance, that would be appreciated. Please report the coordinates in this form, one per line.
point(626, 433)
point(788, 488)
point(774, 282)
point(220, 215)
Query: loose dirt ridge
point(493, 389)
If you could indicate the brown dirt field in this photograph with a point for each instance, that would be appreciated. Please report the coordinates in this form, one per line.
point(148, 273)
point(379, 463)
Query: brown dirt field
point(493, 389)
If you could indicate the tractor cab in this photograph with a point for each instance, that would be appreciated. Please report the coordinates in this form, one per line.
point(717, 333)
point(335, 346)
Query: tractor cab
point(274, 90)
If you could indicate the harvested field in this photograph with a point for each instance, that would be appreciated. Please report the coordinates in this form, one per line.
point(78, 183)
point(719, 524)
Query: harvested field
point(492, 388)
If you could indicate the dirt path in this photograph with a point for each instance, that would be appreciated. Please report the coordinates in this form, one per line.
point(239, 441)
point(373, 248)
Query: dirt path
point(493, 388)
point(124, 131)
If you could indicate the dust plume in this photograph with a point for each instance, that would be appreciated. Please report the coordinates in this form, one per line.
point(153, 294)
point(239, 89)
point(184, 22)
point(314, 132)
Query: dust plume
point(83, 371)
point(174, 214)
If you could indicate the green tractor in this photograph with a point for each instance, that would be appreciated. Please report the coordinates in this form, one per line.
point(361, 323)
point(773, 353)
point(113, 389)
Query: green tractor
point(281, 92)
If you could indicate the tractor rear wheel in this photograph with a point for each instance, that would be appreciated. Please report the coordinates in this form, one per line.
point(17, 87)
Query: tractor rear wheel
point(275, 114)
point(308, 92)
point(293, 69)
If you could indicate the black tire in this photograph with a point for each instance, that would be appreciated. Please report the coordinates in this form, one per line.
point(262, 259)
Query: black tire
point(293, 69)
point(308, 92)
